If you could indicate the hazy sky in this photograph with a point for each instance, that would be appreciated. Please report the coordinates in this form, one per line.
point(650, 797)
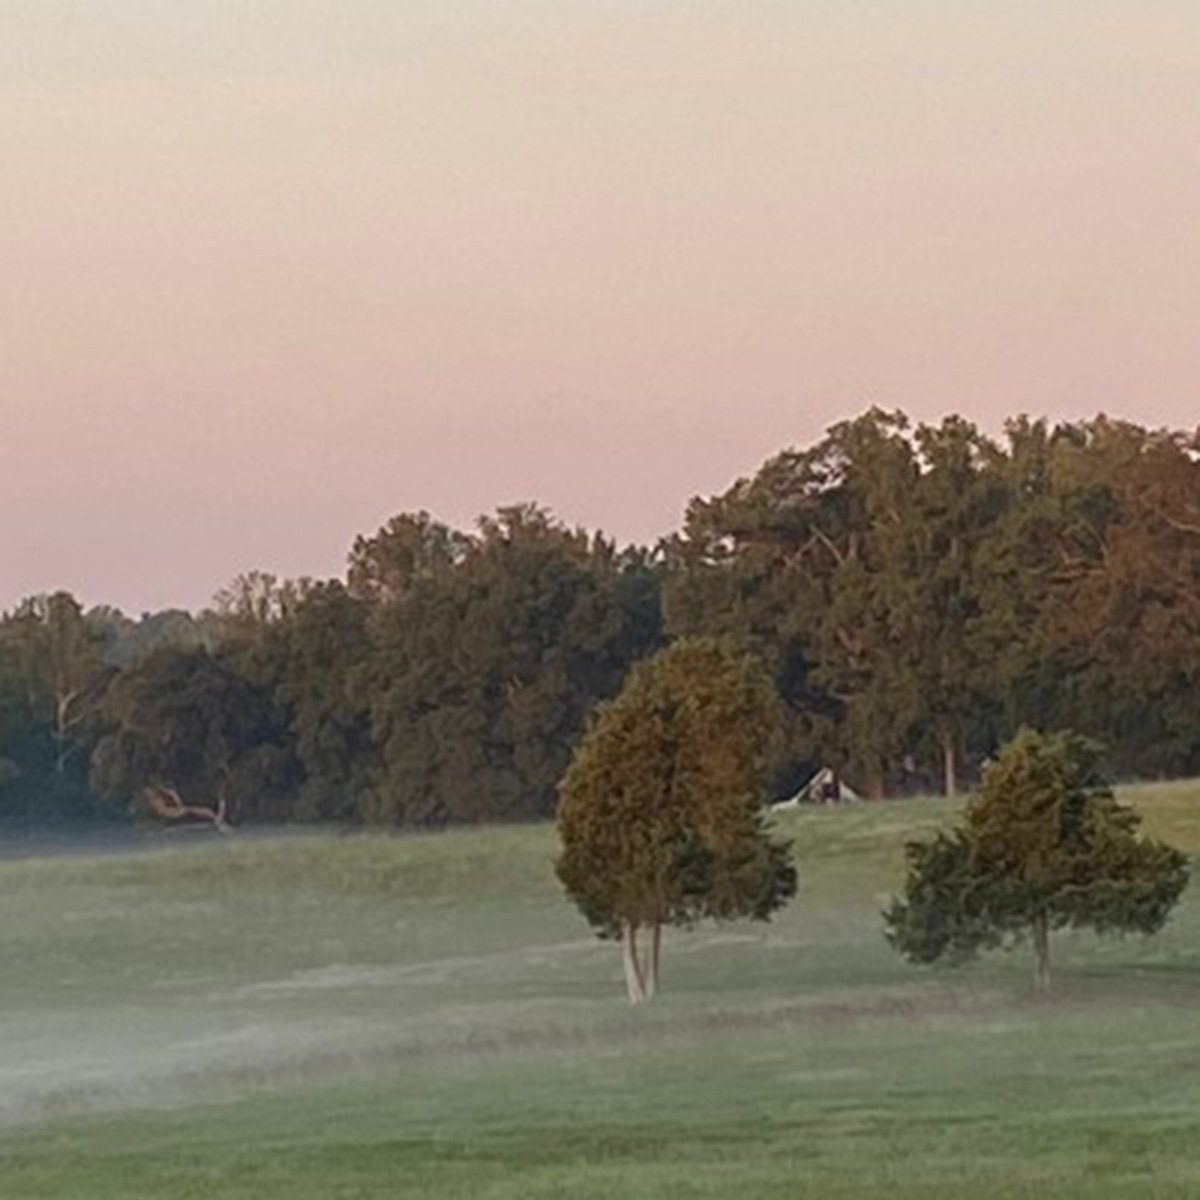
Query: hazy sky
point(273, 271)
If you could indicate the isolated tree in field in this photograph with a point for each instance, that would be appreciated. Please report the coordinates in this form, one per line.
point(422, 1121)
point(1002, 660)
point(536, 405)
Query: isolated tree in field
point(661, 808)
point(1046, 846)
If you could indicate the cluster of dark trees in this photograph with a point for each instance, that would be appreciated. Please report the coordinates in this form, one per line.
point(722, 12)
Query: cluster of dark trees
point(446, 679)
point(916, 593)
point(923, 593)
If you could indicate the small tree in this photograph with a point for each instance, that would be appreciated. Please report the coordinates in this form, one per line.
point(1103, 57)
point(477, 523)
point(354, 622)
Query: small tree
point(1046, 846)
point(661, 808)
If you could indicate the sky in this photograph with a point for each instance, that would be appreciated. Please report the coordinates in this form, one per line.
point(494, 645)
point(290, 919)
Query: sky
point(274, 270)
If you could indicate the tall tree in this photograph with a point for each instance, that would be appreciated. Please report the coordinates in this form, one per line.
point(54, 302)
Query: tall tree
point(945, 578)
point(661, 815)
point(1123, 627)
point(805, 563)
point(409, 550)
point(320, 656)
point(61, 660)
point(254, 600)
point(52, 678)
point(483, 673)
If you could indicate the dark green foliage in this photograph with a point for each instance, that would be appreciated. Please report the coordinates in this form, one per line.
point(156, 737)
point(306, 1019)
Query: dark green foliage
point(448, 682)
point(252, 603)
point(411, 549)
point(53, 677)
point(126, 641)
point(321, 653)
point(1123, 633)
point(484, 670)
point(850, 567)
point(1046, 846)
point(919, 593)
point(944, 912)
point(923, 593)
point(661, 811)
point(306, 646)
point(187, 720)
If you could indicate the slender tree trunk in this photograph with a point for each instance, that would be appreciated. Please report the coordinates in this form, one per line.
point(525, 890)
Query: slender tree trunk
point(654, 958)
point(635, 984)
point(949, 776)
point(874, 786)
point(64, 721)
point(1041, 954)
point(62, 705)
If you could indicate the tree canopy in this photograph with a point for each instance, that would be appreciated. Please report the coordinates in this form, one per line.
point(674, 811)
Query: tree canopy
point(661, 809)
point(918, 593)
point(1046, 846)
point(482, 675)
point(923, 592)
point(188, 721)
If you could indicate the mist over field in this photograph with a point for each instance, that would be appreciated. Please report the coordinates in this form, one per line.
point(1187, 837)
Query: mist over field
point(480, 474)
point(425, 1015)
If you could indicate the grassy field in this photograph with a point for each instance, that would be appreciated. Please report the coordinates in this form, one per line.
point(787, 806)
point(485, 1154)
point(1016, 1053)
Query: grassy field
point(320, 1017)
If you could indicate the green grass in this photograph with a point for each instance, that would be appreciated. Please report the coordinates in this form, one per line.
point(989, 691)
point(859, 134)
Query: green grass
point(322, 1017)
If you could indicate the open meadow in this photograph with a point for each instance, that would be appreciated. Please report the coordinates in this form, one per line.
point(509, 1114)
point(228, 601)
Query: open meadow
point(335, 1017)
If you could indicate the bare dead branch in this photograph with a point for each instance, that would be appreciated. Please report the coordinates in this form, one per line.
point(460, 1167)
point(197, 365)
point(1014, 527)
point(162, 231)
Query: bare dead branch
point(166, 803)
point(1182, 526)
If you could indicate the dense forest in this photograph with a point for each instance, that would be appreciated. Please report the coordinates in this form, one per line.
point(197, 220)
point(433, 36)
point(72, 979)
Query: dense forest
point(918, 593)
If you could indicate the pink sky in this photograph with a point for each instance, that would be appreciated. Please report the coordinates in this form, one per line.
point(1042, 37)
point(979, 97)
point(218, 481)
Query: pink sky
point(273, 271)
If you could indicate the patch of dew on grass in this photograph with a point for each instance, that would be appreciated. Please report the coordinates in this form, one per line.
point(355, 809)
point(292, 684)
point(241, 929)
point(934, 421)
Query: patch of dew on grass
point(121, 1069)
point(827, 1075)
point(340, 977)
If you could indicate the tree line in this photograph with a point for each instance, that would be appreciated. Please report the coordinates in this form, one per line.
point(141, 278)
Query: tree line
point(923, 593)
point(917, 593)
point(445, 679)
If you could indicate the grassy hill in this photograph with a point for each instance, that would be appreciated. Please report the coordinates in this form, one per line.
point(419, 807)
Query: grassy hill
point(316, 1016)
